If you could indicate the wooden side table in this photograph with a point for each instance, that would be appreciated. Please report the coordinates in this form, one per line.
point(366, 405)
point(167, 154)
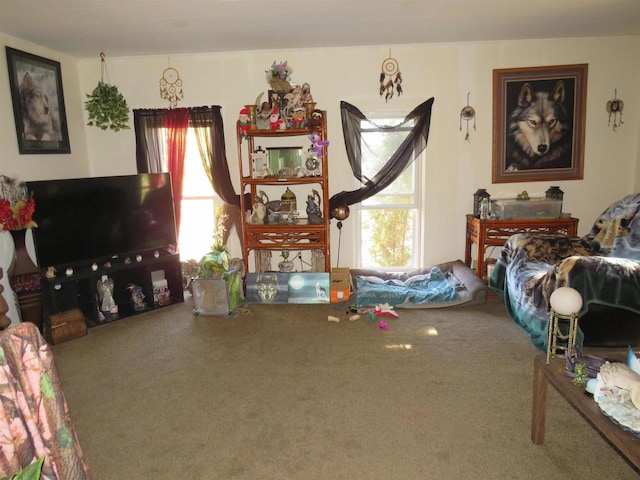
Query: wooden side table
point(494, 233)
point(626, 442)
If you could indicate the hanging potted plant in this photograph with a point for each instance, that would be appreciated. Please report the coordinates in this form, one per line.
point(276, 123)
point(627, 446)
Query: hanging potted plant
point(106, 106)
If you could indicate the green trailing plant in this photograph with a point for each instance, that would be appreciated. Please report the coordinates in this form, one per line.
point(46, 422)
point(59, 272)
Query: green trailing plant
point(30, 472)
point(107, 108)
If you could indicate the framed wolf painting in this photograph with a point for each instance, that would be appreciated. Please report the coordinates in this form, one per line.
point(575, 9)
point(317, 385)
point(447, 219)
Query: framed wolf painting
point(539, 123)
point(38, 103)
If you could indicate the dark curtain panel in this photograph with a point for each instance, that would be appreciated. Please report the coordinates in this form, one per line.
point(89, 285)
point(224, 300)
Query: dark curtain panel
point(410, 149)
point(149, 144)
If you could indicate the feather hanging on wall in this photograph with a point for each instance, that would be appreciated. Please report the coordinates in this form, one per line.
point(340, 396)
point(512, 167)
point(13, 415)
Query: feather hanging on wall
point(390, 78)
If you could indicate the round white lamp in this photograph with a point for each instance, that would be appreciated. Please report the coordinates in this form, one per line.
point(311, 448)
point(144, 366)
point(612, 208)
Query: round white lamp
point(566, 303)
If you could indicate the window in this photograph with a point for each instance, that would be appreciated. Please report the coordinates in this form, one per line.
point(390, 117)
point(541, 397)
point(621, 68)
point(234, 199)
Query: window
point(197, 224)
point(390, 220)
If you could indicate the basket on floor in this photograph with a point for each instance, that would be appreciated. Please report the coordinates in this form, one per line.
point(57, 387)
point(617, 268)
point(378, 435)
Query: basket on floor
point(65, 326)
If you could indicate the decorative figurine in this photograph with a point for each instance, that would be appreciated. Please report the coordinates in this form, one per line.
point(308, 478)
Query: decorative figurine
point(298, 118)
point(137, 297)
point(275, 122)
point(105, 294)
point(51, 272)
point(314, 215)
point(245, 123)
point(581, 373)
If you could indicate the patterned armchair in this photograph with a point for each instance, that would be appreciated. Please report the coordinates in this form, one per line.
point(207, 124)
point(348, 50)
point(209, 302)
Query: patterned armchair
point(603, 266)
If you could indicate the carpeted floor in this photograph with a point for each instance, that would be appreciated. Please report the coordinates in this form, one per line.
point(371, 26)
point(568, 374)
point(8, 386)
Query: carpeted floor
point(278, 392)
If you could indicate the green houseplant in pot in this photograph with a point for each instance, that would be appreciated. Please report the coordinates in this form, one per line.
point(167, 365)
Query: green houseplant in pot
point(106, 106)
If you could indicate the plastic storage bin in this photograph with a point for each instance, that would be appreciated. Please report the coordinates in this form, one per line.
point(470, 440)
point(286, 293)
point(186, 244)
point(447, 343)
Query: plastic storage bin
point(511, 209)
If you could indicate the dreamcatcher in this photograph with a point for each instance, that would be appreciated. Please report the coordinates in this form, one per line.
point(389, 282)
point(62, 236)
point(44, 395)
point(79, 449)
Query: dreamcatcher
point(467, 114)
point(615, 107)
point(171, 86)
point(390, 78)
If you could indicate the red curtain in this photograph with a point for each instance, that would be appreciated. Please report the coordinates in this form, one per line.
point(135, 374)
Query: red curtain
point(176, 123)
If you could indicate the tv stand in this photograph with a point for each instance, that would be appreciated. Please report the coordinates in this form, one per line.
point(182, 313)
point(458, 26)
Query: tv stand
point(76, 285)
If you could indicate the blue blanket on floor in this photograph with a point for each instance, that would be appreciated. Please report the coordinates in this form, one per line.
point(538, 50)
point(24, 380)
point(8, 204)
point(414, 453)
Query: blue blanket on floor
point(434, 286)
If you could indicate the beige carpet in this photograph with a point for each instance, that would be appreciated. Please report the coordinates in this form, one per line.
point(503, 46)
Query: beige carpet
point(281, 393)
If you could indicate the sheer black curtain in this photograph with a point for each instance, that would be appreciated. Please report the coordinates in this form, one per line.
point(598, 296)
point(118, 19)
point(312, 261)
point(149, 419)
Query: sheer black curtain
point(353, 122)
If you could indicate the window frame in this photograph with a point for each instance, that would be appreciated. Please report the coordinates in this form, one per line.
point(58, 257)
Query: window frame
point(416, 207)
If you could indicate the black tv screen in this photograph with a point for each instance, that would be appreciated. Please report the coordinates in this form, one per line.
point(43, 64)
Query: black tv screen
point(92, 219)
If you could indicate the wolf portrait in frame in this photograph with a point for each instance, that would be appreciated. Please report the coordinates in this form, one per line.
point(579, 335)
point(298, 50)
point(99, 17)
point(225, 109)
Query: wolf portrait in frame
point(38, 103)
point(539, 123)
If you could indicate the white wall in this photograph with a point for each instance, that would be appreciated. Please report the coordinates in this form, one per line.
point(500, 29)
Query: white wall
point(43, 167)
point(455, 169)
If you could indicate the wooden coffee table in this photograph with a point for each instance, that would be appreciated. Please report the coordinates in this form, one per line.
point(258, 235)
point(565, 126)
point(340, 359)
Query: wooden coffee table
point(626, 442)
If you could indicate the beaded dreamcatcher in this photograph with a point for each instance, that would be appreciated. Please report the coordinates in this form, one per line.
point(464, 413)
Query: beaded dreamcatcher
point(171, 86)
point(390, 78)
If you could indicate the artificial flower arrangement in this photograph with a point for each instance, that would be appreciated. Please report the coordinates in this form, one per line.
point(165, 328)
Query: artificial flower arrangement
point(279, 76)
point(16, 205)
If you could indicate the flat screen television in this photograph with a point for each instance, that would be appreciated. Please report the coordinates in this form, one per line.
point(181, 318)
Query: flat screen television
point(93, 219)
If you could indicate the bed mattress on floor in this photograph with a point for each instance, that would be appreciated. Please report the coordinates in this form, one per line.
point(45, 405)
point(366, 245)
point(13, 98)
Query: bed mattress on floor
point(447, 284)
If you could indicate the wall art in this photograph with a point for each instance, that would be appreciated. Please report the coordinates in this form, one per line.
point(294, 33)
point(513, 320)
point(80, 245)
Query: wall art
point(539, 123)
point(38, 103)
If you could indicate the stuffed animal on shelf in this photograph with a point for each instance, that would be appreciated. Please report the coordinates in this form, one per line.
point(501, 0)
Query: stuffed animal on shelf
point(317, 144)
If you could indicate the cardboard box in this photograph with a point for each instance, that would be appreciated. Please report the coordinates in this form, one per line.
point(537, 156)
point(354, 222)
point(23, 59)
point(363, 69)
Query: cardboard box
point(340, 284)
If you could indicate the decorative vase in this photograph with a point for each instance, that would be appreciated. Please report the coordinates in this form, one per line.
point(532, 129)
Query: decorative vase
point(24, 254)
point(253, 115)
point(309, 108)
point(7, 261)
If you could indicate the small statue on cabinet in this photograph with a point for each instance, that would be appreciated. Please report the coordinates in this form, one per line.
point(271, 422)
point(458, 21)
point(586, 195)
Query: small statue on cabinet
point(105, 294)
point(314, 215)
point(137, 297)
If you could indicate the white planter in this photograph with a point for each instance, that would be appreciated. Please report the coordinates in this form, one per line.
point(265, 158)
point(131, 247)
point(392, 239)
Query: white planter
point(7, 258)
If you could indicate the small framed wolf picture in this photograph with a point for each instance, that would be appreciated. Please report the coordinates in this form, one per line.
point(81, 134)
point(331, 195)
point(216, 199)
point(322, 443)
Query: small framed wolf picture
point(38, 103)
point(539, 123)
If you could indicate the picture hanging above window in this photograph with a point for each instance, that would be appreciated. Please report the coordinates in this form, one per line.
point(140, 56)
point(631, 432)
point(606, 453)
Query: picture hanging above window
point(171, 86)
point(38, 103)
point(390, 78)
point(539, 123)
point(615, 107)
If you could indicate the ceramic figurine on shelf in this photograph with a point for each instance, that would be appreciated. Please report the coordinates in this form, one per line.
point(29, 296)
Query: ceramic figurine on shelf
point(275, 122)
point(105, 293)
point(137, 297)
point(298, 118)
point(314, 214)
point(245, 123)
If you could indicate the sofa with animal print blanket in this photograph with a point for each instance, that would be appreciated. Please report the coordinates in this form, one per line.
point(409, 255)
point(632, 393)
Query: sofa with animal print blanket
point(603, 266)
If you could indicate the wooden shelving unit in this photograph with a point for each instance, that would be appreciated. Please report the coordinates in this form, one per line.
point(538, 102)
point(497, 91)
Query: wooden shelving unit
point(282, 236)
